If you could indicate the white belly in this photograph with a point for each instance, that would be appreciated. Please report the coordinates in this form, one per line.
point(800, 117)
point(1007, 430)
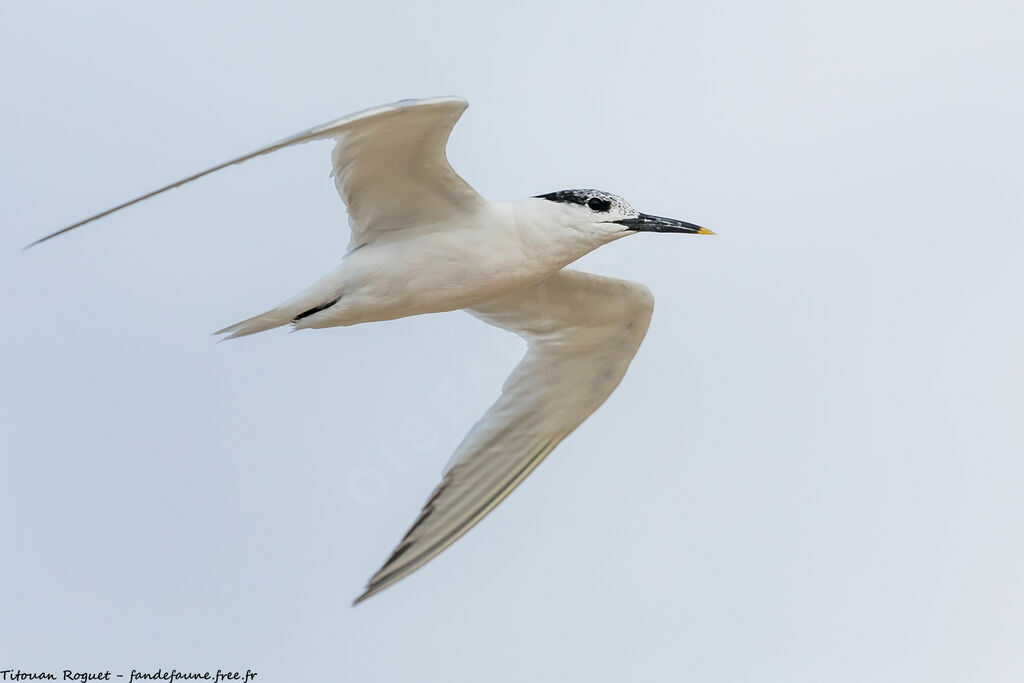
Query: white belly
point(416, 271)
point(431, 273)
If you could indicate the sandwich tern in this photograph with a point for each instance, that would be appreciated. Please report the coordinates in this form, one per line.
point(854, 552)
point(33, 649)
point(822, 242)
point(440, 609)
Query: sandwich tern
point(423, 241)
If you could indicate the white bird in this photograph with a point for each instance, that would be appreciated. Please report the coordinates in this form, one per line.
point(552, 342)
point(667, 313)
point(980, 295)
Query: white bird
point(423, 241)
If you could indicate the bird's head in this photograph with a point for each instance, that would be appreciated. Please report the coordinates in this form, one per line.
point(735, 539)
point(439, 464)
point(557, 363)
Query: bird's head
point(611, 215)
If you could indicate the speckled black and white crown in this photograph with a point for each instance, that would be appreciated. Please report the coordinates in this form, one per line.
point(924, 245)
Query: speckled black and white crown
point(605, 201)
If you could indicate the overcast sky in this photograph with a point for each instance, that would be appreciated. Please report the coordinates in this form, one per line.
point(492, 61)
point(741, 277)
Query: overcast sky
point(812, 471)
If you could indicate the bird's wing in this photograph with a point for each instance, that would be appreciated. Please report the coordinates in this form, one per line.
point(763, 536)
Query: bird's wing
point(392, 172)
point(582, 332)
point(389, 166)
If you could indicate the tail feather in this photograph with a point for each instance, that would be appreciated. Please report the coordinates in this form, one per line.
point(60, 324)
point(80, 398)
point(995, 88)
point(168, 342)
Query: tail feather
point(275, 317)
point(301, 308)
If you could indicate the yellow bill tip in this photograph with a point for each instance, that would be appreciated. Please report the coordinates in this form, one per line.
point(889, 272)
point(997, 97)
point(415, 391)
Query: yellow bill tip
point(704, 231)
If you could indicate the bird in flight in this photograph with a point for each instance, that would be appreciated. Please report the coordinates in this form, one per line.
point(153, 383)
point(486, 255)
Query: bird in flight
point(423, 241)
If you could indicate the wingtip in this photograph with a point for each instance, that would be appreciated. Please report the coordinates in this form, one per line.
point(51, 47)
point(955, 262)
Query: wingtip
point(372, 589)
point(38, 241)
point(68, 228)
point(362, 597)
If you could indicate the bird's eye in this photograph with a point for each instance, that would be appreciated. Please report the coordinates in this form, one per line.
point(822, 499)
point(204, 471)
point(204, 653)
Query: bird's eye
point(598, 204)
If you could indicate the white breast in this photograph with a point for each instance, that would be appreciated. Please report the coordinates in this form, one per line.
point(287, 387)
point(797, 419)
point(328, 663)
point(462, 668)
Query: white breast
point(492, 253)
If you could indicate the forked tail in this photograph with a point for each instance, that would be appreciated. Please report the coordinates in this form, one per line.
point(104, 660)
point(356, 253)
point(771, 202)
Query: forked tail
point(275, 317)
point(298, 312)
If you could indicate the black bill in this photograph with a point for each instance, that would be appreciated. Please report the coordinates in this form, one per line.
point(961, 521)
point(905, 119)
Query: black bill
point(648, 223)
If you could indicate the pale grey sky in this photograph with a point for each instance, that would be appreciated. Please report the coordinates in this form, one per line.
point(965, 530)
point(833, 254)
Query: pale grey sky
point(812, 471)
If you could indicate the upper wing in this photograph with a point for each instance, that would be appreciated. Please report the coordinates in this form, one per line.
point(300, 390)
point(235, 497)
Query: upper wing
point(389, 164)
point(582, 332)
point(392, 172)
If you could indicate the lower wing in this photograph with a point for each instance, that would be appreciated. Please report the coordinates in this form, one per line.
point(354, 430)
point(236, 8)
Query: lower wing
point(582, 332)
